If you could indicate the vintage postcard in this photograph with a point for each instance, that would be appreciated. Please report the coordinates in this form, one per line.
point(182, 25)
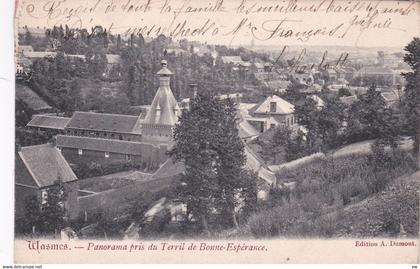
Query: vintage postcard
point(215, 131)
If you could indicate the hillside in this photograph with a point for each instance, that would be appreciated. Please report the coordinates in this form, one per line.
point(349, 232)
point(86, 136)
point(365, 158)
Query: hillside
point(383, 213)
point(354, 195)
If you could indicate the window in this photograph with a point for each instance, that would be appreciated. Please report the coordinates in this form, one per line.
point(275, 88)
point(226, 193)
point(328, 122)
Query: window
point(106, 154)
point(44, 197)
point(120, 137)
point(128, 157)
point(273, 106)
point(80, 151)
point(272, 125)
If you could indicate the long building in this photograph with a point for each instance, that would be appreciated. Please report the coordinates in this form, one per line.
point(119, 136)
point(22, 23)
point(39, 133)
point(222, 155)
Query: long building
point(106, 138)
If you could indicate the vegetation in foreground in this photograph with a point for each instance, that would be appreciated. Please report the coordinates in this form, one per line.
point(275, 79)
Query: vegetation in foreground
point(325, 190)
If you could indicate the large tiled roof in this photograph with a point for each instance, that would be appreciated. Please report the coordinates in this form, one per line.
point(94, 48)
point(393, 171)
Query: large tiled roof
point(46, 164)
point(101, 144)
point(103, 122)
point(282, 106)
point(51, 122)
point(29, 97)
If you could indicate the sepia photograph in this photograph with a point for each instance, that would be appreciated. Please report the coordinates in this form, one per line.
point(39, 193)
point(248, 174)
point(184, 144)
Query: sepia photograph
point(228, 124)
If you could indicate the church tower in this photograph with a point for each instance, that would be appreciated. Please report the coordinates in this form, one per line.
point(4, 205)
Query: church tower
point(164, 110)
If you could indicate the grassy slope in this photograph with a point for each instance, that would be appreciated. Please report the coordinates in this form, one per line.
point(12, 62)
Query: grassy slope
point(382, 213)
point(343, 197)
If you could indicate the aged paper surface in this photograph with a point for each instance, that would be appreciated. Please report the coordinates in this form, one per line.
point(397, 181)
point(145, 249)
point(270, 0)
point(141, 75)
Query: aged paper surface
point(244, 131)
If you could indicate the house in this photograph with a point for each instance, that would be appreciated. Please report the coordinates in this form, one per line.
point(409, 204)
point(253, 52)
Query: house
point(303, 78)
point(348, 100)
point(318, 101)
point(272, 112)
point(391, 97)
point(38, 168)
point(79, 149)
point(277, 86)
point(330, 75)
point(236, 60)
point(23, 66)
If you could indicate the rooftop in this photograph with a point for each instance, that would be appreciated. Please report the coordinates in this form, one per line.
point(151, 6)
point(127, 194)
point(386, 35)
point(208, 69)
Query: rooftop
point(282, 106)
point(50, 122)
point(46, 164)
point(117, 123)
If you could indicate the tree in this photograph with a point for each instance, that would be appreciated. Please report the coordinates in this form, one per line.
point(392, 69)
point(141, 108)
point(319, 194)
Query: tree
point(293, 92)
point(308, 117)
point(53, 211)
point(32, 214)
point(27, 37)
point(279, 141)
point(344, 92)
point(330, 121)
point(207, 142)
point(230, 160)
point(368, 117)
point(411, 97)
point(248, 193)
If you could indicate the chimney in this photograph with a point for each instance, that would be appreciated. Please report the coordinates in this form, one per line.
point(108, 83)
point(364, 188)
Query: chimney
point(193, 89)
